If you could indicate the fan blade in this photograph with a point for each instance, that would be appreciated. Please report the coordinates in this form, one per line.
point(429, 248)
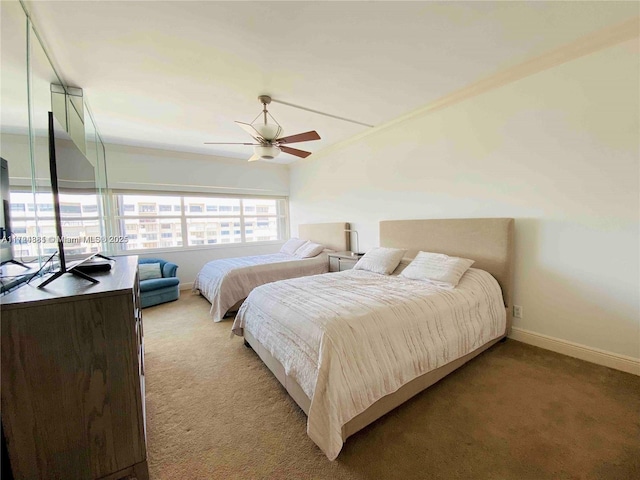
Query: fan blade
point(295, 151)
point(254, 158)
point(300, 137)
point(250, 130)
point(226, 143)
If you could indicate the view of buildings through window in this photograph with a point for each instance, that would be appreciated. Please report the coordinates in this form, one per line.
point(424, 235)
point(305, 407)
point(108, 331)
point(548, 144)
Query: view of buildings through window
point(79, 217)
point(164, 221)
point(145, 222)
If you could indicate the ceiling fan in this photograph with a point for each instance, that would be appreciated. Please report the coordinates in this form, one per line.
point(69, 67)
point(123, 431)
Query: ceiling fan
point(267, 135)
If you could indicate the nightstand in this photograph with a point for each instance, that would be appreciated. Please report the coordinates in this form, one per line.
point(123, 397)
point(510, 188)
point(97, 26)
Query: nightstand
point(340, 261)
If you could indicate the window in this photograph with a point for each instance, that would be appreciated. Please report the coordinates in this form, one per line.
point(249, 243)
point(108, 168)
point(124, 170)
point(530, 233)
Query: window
point(68, 208)
point(175, 221)
point(79, 222)
point(147, 208)
point(264, 224)
point(48, 208)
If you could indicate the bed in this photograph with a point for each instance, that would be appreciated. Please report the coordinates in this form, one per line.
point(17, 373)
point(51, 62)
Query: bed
point(226, 282)
point(351, 346)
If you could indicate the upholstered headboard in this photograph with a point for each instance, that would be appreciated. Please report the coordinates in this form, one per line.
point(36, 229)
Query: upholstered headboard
point(331, 235)
point(488, 241)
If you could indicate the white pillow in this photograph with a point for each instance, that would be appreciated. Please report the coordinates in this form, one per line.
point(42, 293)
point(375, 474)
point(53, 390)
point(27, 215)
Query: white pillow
point(147, 271)
point(292, 245)
point(380, 260)
point(309, 250)
point(437, 268)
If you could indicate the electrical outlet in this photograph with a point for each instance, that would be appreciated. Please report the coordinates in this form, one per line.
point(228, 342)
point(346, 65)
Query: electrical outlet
point(517, 311)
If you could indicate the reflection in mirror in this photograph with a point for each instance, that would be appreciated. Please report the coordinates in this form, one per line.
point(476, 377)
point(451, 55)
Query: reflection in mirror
point(28, 86)
point(14, 129)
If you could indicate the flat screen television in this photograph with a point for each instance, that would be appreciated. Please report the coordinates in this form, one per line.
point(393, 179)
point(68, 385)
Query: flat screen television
point(74, 190)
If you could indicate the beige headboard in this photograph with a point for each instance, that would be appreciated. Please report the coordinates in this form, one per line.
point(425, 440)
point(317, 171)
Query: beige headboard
point(488, 241)
point(331, 235)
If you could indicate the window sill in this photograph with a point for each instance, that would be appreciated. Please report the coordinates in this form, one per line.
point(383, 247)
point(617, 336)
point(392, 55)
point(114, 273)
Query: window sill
point(195, 248)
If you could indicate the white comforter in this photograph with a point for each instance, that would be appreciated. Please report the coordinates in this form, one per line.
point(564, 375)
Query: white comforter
point(226, 281)
point(352, 337)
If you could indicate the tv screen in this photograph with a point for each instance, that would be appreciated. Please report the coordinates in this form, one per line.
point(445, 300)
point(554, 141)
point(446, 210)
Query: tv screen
point(74, 185)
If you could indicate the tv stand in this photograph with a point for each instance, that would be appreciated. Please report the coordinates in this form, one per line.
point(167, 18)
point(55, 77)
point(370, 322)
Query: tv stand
point(15, 262)
point(73, 271)
point(60, 273)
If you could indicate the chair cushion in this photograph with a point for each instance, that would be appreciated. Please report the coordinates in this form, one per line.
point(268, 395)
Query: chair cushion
point(156, 283)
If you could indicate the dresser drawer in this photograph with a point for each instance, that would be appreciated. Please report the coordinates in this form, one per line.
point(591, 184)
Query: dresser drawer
point(341, 261)
point(346, 264)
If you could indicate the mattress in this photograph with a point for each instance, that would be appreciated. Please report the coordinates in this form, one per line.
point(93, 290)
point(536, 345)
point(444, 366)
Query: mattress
point(227, 281)
point(350, 338)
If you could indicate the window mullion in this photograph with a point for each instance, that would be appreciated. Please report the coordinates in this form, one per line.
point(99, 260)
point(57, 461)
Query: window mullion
point(183, 222)
point(242, 234)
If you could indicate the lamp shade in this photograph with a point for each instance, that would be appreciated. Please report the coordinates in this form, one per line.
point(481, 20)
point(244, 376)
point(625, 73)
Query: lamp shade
point(268, 131)
point(267, 152)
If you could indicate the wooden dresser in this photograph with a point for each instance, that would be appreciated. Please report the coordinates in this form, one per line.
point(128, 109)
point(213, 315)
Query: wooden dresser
point(73, 377)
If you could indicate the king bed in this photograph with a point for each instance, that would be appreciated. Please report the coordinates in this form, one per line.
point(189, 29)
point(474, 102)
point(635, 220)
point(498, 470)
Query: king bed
point(351, 346)
point(226, 282)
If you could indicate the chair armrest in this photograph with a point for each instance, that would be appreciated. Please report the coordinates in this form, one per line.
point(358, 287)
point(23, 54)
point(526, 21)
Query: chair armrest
point(169, 270)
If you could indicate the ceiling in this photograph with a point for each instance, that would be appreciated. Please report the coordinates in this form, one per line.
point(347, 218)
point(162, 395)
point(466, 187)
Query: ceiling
point(173, 74)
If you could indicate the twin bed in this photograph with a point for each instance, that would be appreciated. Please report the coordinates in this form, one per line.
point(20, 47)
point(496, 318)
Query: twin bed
point(351, 346)
point(227, 282)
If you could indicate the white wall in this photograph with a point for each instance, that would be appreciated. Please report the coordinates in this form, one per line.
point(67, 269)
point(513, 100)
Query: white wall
point(557, 150)
point(146, 168)
point(150, 169)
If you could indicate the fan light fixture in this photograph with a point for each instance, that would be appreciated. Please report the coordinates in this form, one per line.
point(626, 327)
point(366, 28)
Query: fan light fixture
point(267, 152)
point(268, 140)
point(268, 131)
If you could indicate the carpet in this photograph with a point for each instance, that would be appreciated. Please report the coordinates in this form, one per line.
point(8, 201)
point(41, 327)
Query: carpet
point(214, 411)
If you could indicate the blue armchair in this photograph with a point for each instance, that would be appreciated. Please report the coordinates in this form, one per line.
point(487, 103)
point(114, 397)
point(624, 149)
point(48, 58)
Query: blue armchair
point(155, 291)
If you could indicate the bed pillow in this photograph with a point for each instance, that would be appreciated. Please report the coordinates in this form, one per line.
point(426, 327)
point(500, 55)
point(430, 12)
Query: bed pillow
point(437, 268)
point(309, 250)
point(147, 271)
point(292, 245)
point(380, 260)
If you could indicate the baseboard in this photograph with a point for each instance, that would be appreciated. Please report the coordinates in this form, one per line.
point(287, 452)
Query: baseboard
point(186, 286)
point(593, 355)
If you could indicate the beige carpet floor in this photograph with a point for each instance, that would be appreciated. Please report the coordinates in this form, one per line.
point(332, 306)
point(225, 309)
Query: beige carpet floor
point(214, 411)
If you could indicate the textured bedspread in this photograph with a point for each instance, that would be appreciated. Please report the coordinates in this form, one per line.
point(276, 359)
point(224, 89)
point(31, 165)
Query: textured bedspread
point(352, 337)
point(226, 281)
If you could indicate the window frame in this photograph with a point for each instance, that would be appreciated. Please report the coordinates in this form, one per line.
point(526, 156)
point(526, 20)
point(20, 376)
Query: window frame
point(35, 215)
point(282, 218)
